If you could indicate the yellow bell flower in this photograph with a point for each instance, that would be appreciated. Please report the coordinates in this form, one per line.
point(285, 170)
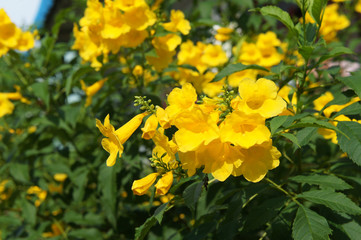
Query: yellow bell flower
point(6, 107)
point(150, 127)
point(259, 97)
point(214, 55)
point(113, 144)
point(141, 186)
point(244, 130)
point(257, 161)
point(163, 118)
point(181, 99)
point(177, 23)
point(91, 90)
point(163, 185)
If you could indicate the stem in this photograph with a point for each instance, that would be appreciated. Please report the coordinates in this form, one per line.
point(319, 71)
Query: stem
point(278, 187)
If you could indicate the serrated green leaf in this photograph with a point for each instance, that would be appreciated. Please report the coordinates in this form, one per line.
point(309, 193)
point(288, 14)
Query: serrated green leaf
point(232, 68)
point(353, 109)
point(304, 135)
point(280, 15)
point(353, 82)
point(352, 229)
point(192, 193)
point(292, 138)
point(334, 200)
point(309, 225)
point(328, 181)
point(316, 8)
point(159, 212)
point(277, 122)
point(334, 53)
point(351, 143)
point(41, 90)
point(142, 231)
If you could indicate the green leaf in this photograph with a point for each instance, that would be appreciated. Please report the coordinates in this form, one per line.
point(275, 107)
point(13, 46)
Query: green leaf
point(292, 138)
point(75, 77)
point(327, 181)
point(191, 194)
point(108, 187)
point(159, 212)
point(41, 90)
point(334, 200)
point(304, 135)
point(20, 172)
point(309, 225)
point(232, 68)
point(29, 212)
point(280, 15)
point(353, 82)
point(87, 233)
point(277, 122)
point(352, 229)
point(313, 122)
point(351, 143)
point(316, 8)
point(142, 231)
point(335, 52)
point(353, 109)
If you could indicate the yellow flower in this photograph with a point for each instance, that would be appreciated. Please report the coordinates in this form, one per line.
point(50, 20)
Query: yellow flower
point(127, 5)
point(214, 55)
point(141, 186)
point(5, 192)
point(168, 42)
point(235, 78)
point(137, 70)
point(163, 118)
point(91, 90)
point(163, 185)
point(223, 34)
point(162, 60)
point(244, 130)
point(249, 54)
point(56, 230)
point(6, 107)
point(180, 99)
point(113, 144)
point(40, 194)
point(60, 177)
point(195, 129)
point(259, 97)
point(177, 23)
point(267, 41)
point(25, 41)
point(164, 149)
point(257, 161)
point(150, 127)
point(139, 17)
point(358, 6)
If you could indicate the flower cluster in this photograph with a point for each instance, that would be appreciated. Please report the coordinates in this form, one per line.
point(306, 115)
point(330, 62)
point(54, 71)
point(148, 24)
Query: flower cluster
point(203, 57)
point(105, 29)
point(12, 37)
point(123, 23)
point(223, 137)
point(332, 22)
point(266, 51)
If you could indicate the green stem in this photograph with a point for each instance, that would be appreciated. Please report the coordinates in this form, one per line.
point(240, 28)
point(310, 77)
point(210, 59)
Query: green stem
point(278, 187)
